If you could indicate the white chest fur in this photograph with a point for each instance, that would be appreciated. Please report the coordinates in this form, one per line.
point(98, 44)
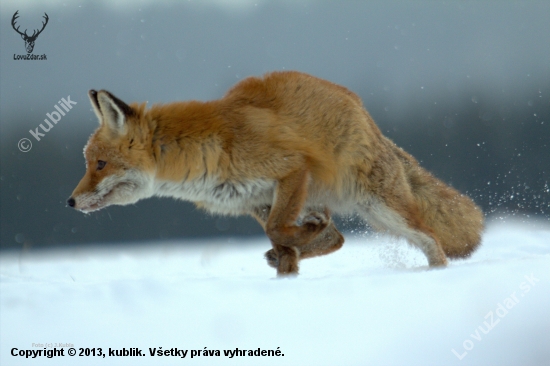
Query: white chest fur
point(225, 197)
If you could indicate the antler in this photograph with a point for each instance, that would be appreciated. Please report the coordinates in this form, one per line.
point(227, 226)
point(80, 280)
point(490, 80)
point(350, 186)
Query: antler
point(43, 26)
point(15, 16)
point(34, 34)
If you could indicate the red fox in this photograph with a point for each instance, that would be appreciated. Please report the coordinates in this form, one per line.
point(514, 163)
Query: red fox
point(287, 148)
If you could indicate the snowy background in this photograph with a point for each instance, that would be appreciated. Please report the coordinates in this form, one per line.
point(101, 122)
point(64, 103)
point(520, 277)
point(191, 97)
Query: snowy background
point(464, 86)
point(374, 302)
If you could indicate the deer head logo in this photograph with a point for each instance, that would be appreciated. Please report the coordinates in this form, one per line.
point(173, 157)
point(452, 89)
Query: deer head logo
point(29, 40)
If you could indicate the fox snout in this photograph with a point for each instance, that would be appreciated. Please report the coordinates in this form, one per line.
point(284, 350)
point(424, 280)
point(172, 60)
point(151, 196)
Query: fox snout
point(122, 188)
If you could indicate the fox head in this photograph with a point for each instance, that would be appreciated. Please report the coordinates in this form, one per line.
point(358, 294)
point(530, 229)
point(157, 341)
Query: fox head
point(120, 167)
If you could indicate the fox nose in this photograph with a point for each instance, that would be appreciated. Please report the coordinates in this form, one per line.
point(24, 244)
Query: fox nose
point(71, 202)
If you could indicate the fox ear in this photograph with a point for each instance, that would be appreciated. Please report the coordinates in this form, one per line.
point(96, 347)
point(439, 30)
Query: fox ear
point(92, 94)
point(110, 110)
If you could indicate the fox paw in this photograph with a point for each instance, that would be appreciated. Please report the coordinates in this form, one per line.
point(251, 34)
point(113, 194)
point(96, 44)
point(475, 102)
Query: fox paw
point(315, 221)
point(272, 258)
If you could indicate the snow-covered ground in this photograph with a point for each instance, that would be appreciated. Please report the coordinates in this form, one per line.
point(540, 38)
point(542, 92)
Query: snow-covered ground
point(372, 303)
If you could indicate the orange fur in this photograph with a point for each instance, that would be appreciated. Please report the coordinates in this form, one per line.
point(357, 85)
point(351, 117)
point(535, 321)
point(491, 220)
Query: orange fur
point(287, 148)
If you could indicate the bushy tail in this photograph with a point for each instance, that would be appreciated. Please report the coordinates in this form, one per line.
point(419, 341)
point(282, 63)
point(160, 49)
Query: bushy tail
point(455, 218)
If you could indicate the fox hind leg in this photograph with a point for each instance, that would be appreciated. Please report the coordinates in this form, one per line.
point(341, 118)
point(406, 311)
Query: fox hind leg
point(407, 224)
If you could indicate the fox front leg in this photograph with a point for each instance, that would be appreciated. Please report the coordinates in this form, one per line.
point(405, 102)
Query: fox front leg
point(329, 241)
point(287, 237)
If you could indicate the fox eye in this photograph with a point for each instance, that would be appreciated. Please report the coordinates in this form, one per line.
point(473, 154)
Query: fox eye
point(101, 164)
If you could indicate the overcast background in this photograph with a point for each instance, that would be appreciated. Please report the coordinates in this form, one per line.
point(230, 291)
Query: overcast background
point(463, 86)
